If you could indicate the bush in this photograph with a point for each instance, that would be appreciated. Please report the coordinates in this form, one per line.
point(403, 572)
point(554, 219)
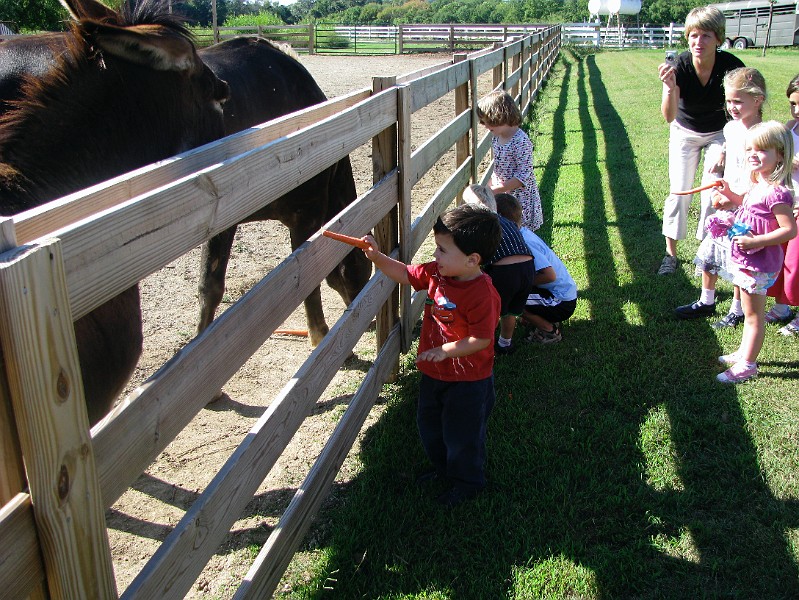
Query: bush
point(336, 42)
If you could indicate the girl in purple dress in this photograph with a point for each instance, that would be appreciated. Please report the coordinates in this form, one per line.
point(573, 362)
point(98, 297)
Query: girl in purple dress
point(513, 155)
point(756, 256)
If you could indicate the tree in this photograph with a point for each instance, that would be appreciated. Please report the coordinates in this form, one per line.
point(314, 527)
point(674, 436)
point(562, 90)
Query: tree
point(34, 15)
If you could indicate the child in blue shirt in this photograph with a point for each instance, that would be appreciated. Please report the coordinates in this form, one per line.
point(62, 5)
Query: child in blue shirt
point(554, 297)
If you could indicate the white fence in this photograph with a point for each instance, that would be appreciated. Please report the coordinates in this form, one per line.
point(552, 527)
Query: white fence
point(595, 34)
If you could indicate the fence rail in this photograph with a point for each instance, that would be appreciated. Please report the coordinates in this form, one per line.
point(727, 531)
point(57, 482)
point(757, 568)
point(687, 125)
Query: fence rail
point(167, 201)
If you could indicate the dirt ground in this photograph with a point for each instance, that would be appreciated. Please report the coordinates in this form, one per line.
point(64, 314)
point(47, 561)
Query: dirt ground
point(147, 512)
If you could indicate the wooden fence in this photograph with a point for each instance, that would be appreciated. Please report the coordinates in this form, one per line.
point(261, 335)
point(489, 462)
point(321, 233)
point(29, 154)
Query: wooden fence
point(71, 255)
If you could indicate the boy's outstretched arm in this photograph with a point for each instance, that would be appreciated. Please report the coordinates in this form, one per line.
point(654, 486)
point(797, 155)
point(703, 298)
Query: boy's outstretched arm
point(393, 268)
point(464, 347)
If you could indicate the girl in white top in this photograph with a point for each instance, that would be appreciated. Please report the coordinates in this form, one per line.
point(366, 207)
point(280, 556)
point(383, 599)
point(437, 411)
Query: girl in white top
point(744, 93)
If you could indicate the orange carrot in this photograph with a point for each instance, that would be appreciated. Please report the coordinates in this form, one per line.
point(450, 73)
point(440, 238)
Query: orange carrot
point(299, 332)
point(347, 239)
point(701, 188)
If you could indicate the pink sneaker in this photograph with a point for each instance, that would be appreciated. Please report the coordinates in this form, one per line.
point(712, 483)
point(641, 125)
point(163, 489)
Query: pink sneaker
point(737, 373)
point(729, 360)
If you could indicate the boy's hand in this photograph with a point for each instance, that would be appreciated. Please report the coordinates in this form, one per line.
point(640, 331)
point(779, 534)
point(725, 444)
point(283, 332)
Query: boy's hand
point(374, 248)
point(432, 355)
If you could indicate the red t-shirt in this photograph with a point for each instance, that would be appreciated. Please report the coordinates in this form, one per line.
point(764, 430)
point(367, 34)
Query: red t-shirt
point(453, 311)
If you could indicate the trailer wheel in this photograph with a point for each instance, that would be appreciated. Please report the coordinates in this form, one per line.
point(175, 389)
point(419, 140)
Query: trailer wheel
point(726, 44)
point(740, 43)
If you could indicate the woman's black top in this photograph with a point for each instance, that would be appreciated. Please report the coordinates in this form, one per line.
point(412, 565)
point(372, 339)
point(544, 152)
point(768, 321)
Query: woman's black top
point(701, 108)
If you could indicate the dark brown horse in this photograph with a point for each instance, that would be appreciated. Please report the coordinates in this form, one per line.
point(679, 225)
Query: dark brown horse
point(266, 83)
point(127, 90)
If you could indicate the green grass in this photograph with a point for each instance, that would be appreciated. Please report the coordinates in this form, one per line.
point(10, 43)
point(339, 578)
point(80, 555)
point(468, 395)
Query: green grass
point(619, 467)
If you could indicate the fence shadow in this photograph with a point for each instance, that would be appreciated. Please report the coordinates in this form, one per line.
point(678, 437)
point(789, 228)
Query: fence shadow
point(569, 474)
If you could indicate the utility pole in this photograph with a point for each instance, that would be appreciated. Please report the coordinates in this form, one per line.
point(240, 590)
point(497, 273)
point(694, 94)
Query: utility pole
point(213, 22)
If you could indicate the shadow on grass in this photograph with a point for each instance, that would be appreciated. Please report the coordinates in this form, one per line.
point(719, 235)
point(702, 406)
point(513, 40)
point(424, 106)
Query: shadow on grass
point(620, 468)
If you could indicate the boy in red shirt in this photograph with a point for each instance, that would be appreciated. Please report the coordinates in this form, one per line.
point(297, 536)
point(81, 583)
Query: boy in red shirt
point(456, 345)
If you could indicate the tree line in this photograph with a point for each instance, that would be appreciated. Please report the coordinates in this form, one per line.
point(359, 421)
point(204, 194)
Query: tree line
point(49, 15)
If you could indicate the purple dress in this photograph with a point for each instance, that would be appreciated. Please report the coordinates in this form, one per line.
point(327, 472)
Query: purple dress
point(515, 159)
point(757, 212)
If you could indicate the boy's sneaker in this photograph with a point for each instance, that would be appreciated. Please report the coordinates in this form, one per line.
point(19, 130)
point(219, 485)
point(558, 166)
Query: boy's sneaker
point(504, 350)
point(777, 316)
point(729, 320)
point(456, 495)
point(791, 328)
point(540, 336)
point(737, 373)
point(668, 266)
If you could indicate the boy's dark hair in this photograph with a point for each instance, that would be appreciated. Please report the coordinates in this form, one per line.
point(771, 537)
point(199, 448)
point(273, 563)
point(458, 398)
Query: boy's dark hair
point(473, 229)
point(509, 207)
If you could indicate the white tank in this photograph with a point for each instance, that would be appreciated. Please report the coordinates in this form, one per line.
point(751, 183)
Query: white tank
point(598, 7)
point(614, 7)
point(624, 7)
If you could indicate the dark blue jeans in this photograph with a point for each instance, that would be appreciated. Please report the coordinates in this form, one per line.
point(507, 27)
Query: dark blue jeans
point(452, 418)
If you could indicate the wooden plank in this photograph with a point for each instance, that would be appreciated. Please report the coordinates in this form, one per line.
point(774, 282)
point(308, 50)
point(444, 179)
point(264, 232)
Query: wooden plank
point(443, 197)
point(179, 560)
point(114, 250)
point(422, 73)
point(138, 429)
point(21, 567)
point(271, 562)
point(482, 148)
point(432, 87)
point(38, 342)
point(487, 62)
point(434, 148)
point(47, 218)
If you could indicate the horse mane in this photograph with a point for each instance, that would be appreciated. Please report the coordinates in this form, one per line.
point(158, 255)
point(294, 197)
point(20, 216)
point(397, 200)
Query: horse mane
point(153, 12)
point(284, 47)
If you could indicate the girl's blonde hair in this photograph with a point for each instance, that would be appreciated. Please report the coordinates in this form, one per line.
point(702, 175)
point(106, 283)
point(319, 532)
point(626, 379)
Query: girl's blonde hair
point(706, 18)
point(480, 194)
point(773, 135)
point(498, 108)
point(747, 80)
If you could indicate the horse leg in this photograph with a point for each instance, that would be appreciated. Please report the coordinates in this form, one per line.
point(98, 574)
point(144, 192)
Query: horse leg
point(350, 275)
point(213, 265)
point(109, 341)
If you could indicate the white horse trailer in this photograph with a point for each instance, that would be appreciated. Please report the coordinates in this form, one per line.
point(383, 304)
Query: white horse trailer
point(760, 23)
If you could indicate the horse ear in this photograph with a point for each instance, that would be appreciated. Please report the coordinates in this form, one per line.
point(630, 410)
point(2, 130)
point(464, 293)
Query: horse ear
point(81, 10)
point(151, 46)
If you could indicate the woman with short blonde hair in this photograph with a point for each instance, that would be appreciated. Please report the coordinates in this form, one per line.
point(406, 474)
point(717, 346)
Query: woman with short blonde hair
point(693, 104)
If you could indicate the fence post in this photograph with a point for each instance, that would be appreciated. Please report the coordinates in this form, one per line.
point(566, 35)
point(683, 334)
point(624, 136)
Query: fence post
point(12, 469)
point(38, 341)
point(461, 104)
point(311, 38)
point(384, 160)
point(497, 73)
point(404, 111)
point(452, 38)
point(473, 93)
point(399, 39)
